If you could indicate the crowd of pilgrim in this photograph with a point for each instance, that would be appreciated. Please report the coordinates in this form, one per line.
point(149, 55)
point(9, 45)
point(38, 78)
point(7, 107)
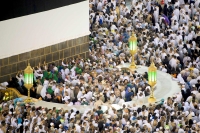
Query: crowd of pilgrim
point(168, 34)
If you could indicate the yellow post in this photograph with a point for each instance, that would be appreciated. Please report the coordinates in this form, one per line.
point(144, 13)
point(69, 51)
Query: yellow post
point(152, 80)
point(28, 80)
point(133, 49)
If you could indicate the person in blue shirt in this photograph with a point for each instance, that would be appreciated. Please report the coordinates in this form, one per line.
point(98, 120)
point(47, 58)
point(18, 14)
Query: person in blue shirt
point(125, 36)
point(129, 95)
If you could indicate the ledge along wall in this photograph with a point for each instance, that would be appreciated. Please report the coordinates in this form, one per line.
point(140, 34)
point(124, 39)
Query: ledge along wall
point(47, 36)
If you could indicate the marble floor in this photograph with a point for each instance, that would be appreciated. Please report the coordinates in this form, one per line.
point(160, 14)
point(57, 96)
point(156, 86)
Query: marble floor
point(166, 87)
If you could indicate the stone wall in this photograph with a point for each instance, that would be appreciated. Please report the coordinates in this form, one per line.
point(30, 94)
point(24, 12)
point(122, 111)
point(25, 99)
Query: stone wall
point(54, 53)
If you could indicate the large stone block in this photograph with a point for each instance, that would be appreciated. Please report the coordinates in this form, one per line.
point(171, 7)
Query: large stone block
point(81, 40)
point(4, 78)
point(37, 61)
point(47, 50)
point(32, 62)
point(86, 54)
point(13, 74)
point(5, 70)
point(38, 52)
point(60, 62)
point(13, 59)
point(84, 47)
point(22, 65)
point(25, 56)
point(65, 45)
point(62, 45)
point(3, 62)
point(73, 51)
point(42, 59)
point(54, 48)
point(86, 39)
point(48, 58)
point(75, 42)
point(61, 55)
point(56, 62)
point(56, 56)
point(70, 43)
point(67, 53)
point(14, 68)
point(82, 55)
point(77, 51)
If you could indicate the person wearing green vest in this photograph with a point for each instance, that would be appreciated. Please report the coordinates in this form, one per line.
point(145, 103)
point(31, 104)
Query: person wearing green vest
point(55, 77)
point(78, 70)
point(50, 75)
point(49, 90)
